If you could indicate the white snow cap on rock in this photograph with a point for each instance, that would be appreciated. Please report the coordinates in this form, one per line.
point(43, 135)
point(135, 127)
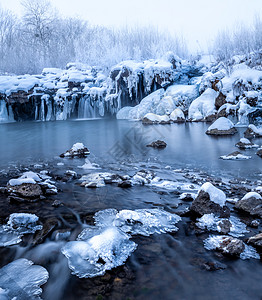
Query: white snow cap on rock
point(177, 114)
point(252, 194)
point(27, 177)
point(78, 146)
point(203, 106)
point(156, 118)
point(221, 124)
point(217, 196)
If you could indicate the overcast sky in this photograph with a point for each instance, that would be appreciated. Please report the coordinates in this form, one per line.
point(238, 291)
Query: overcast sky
point(197, 20)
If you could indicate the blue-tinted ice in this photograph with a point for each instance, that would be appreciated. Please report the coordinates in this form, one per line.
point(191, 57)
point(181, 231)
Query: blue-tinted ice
point(21, 280)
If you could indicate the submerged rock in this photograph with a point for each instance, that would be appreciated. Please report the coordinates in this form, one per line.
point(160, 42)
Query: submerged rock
point(157, 144)
point(210, 200)
point(251, 203)
point(78, 150)
point(221, 126)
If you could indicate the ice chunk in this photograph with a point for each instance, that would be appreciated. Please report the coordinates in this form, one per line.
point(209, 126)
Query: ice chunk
point(252, 194)
point(22, 280)
point(214, 223)
point(88, 165)
point(217, 196)
point(24, 223)
point(98, 250)
point(8, 238)
point(220, 242)
point(140, 221)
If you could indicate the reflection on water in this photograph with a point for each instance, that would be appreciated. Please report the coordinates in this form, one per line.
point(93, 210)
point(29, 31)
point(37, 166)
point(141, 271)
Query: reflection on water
point(109, 140)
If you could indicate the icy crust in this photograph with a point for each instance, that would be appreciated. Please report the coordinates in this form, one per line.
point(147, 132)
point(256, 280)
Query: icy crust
point(221, 124)
point(212, 222)
point(18, 225)
point(141, 221)
point(203, 106)
point(98, 250)
point(24, 223)
point(21, 280)
point(218, 242)
point(217, 196)
point(107, 245)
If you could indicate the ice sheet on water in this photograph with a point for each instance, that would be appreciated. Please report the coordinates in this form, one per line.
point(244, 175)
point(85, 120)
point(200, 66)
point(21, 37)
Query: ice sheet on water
point(21, 280)
point(8, 238)
point(214, 242)
point(18, 225)
point(213, 223)
point(24, 223)
point(98, 250)
point(140, 221)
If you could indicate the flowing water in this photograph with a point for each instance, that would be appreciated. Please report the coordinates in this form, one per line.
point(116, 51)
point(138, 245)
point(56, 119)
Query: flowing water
point(166, 266)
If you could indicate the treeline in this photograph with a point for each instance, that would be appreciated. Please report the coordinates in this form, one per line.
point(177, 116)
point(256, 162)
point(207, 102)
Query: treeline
point(42, 38)
point(243, 39)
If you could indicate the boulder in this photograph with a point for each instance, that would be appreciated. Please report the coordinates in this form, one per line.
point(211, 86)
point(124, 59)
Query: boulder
point(250, 203)
point(210, 200)
point(151, 118)
point(220, 100)
point(245, 144)
point(78, 150)
point(157, 144)
point(25, 192)
point(221, 126)
point(259, 152)
point(256, 240)
point(253, 132)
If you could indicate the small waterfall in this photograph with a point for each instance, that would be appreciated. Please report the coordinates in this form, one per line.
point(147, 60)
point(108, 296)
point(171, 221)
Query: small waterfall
point(87, 108)
point(6, 113)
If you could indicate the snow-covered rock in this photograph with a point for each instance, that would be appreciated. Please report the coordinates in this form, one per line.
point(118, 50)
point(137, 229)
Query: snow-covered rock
point(77, 150)
point(232, 226)
point(155, 119)
point(210, 200)
point(221, 126)
point(251, 203)
point(235, 156)
point(246, 144)
point(203, 107)
point(230, 246)
point(253, 132)
point(24, 223)
point(177, 116)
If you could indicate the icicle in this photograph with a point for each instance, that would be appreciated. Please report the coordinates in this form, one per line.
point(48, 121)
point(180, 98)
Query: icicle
point(4, 116)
